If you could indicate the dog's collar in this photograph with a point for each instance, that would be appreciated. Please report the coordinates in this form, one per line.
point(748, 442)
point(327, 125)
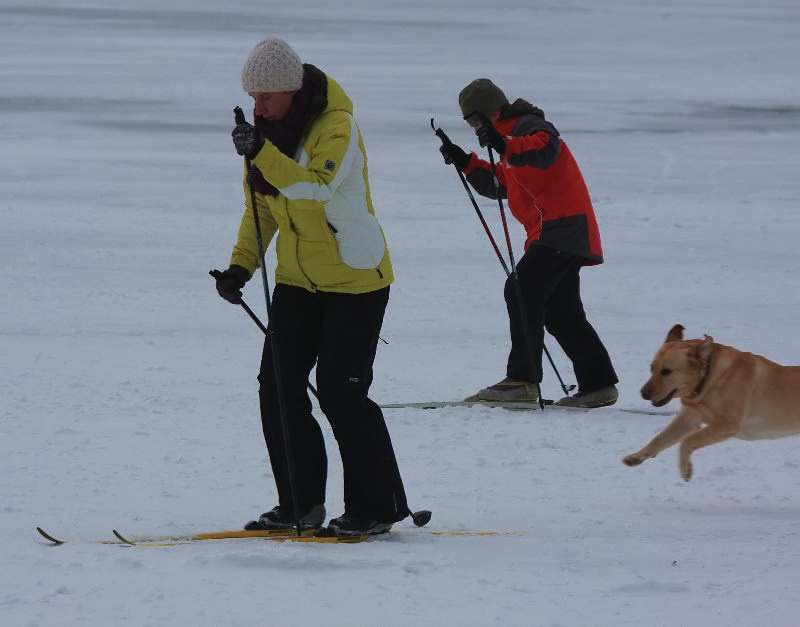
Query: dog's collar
point(698, 390)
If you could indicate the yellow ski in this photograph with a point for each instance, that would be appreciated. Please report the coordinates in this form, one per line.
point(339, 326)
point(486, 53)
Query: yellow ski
point(275, 535)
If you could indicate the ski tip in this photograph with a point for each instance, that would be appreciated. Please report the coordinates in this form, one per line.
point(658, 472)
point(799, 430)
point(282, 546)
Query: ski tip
point(122, 538)
point(47, 536)
point(422, 517)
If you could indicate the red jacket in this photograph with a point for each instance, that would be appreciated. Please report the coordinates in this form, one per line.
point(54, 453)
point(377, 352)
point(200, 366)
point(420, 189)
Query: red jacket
point(543, 184)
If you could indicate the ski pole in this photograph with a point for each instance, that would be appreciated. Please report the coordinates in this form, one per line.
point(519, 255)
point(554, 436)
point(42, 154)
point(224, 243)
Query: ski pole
point(443, 136)
point(216, 274)
point(515, 278)
point(272, 339)
point(526, 330)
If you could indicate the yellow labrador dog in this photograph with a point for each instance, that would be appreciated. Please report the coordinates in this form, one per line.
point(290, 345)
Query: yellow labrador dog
point(724, 393)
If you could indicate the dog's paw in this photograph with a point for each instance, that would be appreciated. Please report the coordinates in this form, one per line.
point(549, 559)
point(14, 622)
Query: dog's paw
point(686, 470)
point(633, 460)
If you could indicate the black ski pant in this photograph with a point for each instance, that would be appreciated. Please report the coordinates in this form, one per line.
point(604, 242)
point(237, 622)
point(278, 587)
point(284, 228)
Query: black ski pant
point(549, 280)
point(338, 332)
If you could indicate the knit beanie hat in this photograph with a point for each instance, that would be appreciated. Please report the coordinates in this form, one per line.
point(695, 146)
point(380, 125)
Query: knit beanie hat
point(272, 66)
point(481, 96)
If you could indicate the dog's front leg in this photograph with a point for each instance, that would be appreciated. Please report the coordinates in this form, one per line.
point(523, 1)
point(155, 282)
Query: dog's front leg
point(711, 434)
point(684, 423)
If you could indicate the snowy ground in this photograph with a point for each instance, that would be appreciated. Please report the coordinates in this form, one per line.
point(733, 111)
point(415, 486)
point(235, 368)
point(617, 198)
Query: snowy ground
point(128, 386)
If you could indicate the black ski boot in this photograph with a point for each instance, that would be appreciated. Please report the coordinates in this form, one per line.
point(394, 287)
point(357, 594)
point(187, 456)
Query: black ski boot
point(347, 525)
point(280, 518)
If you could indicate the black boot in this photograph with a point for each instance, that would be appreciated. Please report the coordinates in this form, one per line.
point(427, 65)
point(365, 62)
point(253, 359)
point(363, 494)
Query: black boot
point(279, 518)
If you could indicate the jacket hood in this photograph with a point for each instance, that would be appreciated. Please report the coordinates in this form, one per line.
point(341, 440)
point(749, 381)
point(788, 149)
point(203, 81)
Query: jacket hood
point(328, 94)
point(521, 107)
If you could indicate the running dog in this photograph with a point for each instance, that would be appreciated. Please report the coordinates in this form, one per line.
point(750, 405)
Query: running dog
point(724, 393)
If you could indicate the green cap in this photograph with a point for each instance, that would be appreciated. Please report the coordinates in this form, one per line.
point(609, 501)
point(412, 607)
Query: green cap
point(481, 96)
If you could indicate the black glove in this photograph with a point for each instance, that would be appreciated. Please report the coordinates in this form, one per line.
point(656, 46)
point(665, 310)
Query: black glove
point(231, 282)
point(454, 155)
point(246, 140)
point(488, 136)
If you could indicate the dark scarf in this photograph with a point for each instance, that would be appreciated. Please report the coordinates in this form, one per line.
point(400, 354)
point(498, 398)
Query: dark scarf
point(286, 134)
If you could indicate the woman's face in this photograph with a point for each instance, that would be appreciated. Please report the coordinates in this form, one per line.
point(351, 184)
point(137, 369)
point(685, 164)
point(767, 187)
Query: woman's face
point(272, 105)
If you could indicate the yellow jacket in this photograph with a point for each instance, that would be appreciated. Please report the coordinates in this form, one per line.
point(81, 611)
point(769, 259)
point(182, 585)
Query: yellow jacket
point(328, 236)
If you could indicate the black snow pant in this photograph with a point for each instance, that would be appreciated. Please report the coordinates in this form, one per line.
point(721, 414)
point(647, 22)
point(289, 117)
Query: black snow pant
point(338, 332)
point(550, 285)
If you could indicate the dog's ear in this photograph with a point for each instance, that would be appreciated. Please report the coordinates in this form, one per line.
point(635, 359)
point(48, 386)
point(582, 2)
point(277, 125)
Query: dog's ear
point(703, 351)
point(675, 334)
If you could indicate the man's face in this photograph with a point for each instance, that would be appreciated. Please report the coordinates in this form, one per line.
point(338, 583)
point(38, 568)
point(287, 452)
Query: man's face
point(475, 122)
point(272, 105)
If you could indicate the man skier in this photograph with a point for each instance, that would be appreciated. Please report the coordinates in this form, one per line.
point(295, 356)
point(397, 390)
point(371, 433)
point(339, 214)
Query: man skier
point(546, 192)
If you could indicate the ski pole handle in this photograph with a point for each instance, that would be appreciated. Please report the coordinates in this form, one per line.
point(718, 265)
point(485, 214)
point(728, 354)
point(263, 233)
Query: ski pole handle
point(238, 116)
point(217, 274)
point(440, 134)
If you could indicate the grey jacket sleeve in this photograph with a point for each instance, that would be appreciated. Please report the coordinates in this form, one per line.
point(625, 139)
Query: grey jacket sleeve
point(540, 158)
point(481, 180)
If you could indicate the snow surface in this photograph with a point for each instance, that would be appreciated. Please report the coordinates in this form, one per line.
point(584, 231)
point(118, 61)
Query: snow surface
point(128, 386)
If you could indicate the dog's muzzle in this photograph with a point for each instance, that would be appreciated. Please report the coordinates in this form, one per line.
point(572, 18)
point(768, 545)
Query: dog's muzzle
point(647, 394)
